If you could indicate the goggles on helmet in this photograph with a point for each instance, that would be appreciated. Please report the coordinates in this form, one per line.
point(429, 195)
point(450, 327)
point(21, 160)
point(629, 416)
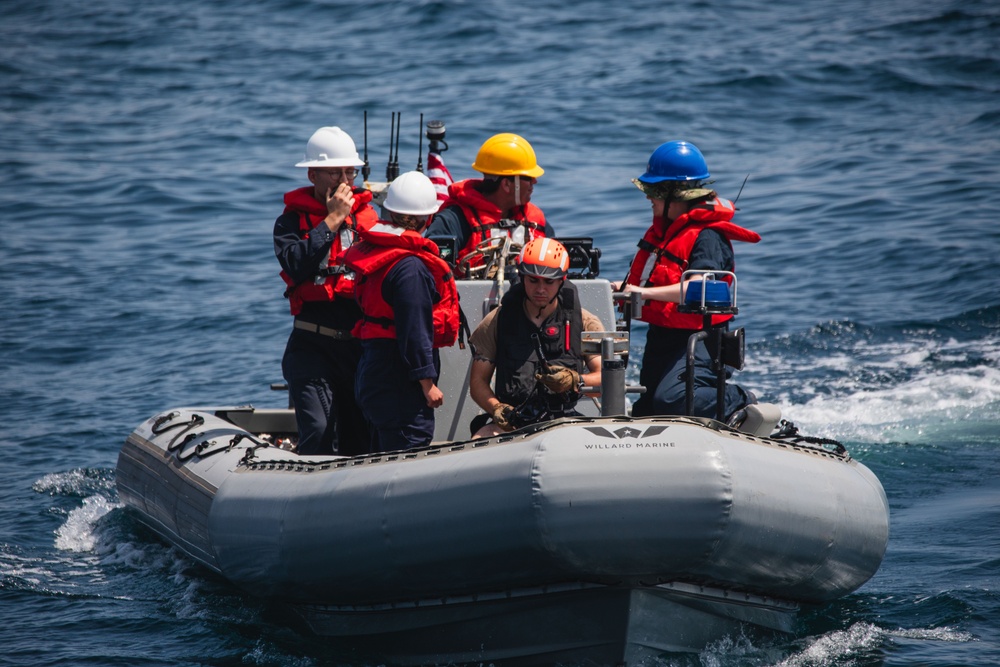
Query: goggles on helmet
point(674, 190)
point(543, 258)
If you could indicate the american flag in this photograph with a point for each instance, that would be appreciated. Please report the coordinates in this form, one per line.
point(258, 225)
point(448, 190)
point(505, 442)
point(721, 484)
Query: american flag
point(439, 175)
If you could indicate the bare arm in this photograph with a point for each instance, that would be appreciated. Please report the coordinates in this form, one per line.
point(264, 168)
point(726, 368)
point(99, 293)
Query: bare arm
point(672, 293)
point(479, 385)
point(592, 376)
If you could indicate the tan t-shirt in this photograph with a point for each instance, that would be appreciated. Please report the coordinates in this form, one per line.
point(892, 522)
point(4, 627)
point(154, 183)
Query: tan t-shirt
point(484, 338)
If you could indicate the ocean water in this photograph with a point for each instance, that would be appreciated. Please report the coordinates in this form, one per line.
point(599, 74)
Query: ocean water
point(145, 148)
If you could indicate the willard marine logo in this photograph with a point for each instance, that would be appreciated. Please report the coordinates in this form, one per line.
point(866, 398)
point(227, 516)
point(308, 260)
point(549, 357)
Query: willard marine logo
point(628, 432)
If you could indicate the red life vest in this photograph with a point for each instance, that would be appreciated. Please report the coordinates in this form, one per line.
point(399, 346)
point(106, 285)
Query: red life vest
point(333, 279)
point(664, 252)
point(382, 245)
point(484, 218)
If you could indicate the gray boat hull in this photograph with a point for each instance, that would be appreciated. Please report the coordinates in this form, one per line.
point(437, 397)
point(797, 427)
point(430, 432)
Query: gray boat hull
point(607, 538)
point(573, 624)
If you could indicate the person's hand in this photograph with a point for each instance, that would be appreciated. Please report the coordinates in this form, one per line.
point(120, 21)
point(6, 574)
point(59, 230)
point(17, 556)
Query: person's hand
point(629, 289)
point(502, 414)
point(559, 379)
point(339, 203)
point(433, 395)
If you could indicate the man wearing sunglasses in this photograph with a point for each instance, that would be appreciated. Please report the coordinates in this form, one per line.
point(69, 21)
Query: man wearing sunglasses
point(319, 222)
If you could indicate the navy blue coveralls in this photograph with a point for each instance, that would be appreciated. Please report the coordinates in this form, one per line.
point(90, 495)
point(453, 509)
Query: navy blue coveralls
point(320, 369)
point(390, 370)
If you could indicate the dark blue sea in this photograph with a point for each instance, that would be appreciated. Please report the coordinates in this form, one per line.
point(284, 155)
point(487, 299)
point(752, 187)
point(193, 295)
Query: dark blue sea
point(145, 148)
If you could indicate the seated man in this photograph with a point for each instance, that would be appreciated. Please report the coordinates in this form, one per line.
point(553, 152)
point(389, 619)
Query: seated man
point(541, 313)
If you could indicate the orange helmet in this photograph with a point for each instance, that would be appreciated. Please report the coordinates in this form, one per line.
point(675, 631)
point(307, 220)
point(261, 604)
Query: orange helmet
point(544, 258)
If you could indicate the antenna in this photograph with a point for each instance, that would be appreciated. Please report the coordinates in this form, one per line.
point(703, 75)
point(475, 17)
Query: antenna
point(392, 169)
point(388, 165)
point(420, 145)
point(741, 190)
point(366, 170)
point(395, 155)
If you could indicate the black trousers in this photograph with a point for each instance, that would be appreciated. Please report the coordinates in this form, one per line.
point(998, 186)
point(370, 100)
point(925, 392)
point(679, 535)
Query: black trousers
point(664, 365)
point(320, 372)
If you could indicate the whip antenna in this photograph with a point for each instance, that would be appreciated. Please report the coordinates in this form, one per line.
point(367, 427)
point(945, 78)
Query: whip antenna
point(366, 170)
point(388, 165)
point(395, 156)
point(741, 190)
point(420, 144)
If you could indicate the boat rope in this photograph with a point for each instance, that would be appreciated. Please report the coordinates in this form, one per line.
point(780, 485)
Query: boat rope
point(196, 420)
point(201, 450)
point(174, 446)
point(248, 456)
point(788, 432)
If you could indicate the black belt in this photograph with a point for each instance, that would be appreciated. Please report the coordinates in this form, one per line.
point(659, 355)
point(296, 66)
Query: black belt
point(336, 334)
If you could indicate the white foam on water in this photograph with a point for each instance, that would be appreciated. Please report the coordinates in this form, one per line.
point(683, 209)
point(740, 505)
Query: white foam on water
point(895, 390)
point(265, 654)
point(903, 411)
point(733, 650)
point(856, 645)
point(934, 634)
point(77, 533)
point(28, 570)
point(840, 648)
point(78, 482)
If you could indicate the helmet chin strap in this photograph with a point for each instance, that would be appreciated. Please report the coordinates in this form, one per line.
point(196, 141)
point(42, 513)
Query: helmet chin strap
point(542, 308)
point(517, 190)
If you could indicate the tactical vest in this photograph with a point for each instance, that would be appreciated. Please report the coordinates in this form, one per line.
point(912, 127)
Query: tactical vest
point(517, 358)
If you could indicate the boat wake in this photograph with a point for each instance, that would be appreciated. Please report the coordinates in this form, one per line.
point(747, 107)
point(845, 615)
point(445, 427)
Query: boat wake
point(900, 383)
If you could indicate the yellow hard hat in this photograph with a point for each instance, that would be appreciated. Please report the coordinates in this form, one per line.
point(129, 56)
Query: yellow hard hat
point(507, 155)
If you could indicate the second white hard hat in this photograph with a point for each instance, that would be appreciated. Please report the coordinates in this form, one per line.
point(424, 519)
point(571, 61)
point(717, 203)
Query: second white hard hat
point(412, 193)
point(331, 147)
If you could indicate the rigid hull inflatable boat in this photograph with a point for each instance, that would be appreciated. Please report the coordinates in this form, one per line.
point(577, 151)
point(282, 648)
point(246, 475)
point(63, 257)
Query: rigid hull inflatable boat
point(606, 539)
point(600, 539)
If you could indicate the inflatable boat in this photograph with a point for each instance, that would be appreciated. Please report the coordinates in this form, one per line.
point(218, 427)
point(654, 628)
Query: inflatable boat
point(601, 539)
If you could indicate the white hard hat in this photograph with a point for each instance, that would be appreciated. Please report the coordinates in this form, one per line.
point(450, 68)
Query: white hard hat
point(412, 193)
point(331, 147)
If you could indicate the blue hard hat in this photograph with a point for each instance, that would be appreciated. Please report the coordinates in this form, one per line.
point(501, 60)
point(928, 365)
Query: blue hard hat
point(675, 161)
